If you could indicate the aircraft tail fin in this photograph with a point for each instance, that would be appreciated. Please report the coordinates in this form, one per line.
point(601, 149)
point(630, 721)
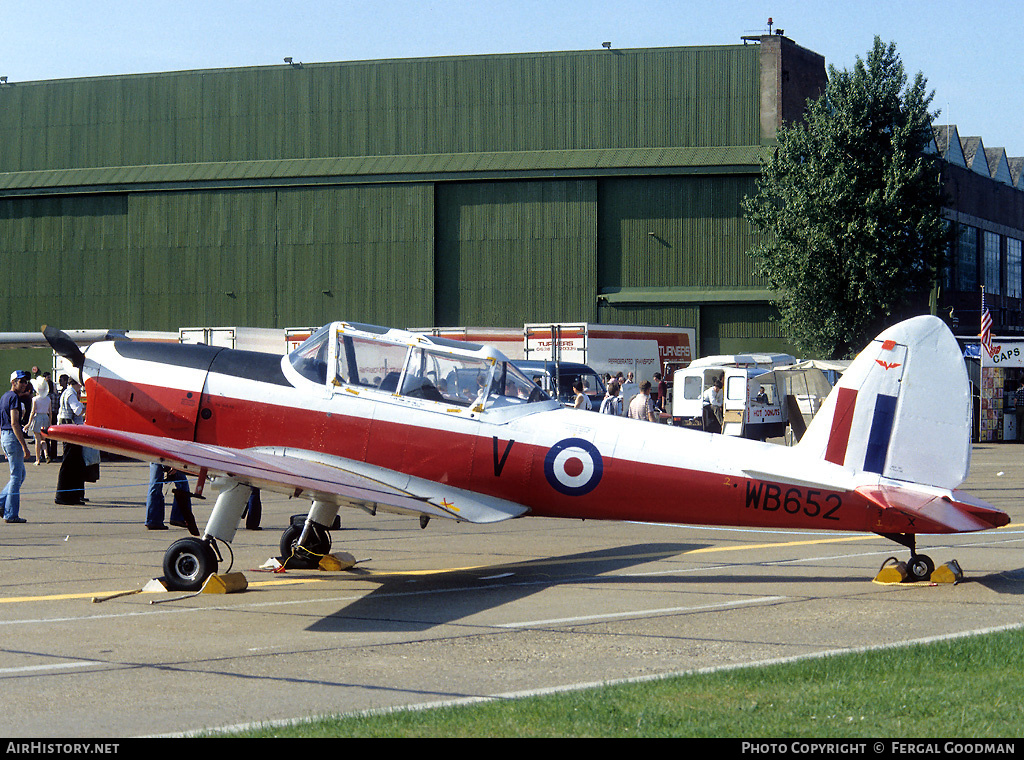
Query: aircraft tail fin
point(902, 409)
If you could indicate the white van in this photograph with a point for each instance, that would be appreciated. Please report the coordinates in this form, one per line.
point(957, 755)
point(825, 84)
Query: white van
point(751, 409)
point(748, 361)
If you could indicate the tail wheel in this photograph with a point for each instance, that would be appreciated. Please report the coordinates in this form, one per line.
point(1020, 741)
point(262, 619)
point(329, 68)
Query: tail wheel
point(188, 562)
point(920, 567)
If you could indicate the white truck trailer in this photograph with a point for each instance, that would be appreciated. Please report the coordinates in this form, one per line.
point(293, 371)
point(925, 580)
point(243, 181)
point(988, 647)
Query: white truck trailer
point(508, 340)
point(266, 340)
point(611, 348)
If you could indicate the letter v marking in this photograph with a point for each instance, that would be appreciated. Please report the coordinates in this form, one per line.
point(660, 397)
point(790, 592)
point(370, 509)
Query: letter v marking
point(499, 463)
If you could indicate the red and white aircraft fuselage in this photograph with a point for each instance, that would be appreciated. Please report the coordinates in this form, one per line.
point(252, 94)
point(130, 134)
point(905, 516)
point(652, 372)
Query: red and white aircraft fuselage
point(385, 419)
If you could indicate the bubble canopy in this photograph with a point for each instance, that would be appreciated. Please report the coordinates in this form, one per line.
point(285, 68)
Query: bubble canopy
point(413, 365)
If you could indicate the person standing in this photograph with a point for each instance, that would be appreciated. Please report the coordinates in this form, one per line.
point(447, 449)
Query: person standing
point(628, 390)
point(71, 477)
point(612, 403)
point(253, 511)
point(51, 445)
point(155, 504)
point(38, 419)
point(713, 407)
point(641, 407)
point(581, 401)
point(13, 441)
point(662, 401)
point(40, 383)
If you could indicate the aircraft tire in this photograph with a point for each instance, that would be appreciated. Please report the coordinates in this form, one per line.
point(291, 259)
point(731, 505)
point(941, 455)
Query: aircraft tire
point(188, 562)
point(920, 567)
point(290, 537)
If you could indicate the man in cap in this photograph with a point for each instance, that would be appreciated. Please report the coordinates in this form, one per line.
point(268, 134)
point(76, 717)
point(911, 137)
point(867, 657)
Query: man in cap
point(13, 441)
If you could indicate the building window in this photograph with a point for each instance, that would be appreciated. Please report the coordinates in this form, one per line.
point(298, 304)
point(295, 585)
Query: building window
point(967, 259)
point(1013, 268)
point(992, 263)
point(949, 267)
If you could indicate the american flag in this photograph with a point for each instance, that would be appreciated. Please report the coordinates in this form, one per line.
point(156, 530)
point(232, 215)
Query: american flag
point(986, 327)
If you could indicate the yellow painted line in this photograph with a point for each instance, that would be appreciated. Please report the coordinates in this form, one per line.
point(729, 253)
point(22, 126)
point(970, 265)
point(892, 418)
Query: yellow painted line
point(286, 581)
point(603, 558)
point(745, 547)
point(55, 597)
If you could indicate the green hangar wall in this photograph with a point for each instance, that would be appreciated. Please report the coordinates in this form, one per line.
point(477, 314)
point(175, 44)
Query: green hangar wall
point(485, 190)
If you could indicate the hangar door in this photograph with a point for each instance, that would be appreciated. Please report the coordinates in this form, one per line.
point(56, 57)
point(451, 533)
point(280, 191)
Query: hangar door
point(508, 253)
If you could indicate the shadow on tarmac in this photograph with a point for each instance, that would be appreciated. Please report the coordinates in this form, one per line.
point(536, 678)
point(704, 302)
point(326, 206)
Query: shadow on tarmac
point(421, 602)
point(1005, 582)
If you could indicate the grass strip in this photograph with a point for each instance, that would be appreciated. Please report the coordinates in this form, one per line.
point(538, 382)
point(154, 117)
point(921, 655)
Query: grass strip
point(970, 688)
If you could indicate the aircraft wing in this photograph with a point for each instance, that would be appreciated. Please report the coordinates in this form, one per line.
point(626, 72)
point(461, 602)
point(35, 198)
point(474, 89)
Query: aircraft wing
point(300, 473)
point(36, 339)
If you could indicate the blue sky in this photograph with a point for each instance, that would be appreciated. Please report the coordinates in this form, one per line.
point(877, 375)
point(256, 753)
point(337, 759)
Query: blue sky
point(969, 52)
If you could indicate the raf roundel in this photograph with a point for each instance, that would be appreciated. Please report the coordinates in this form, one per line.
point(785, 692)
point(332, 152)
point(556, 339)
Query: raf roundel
point(573, 466)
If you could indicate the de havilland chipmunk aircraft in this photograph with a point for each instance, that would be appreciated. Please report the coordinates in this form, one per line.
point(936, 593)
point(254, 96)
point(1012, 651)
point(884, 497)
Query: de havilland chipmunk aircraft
point(384, 419)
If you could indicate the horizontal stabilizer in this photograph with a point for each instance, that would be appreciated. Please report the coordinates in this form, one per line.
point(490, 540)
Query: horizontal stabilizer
point(905, 510)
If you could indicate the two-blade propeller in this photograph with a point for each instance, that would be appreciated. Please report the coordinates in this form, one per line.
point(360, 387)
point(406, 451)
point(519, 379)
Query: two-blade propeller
point(61, 342)
point(64, 345)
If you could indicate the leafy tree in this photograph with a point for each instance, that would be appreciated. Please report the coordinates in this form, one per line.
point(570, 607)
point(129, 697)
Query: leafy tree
point(850, 207)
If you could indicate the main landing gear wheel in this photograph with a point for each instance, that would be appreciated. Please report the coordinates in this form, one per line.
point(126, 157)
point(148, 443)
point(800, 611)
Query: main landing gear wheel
point(318, 541)
point(920, 567)
point(320, 544)
point(188, 562)
point(289, 539)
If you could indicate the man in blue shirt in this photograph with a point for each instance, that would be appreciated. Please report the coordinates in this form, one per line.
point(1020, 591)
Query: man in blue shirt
point(12, 439)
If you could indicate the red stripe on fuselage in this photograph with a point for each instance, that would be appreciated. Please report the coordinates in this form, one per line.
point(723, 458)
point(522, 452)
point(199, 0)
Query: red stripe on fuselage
point(149, 409)
point(842, 423)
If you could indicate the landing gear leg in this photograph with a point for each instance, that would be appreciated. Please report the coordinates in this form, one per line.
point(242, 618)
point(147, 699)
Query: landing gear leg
point(920, 566)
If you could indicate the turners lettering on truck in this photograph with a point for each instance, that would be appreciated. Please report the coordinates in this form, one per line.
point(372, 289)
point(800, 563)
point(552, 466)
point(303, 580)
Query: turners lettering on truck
point(612, 348)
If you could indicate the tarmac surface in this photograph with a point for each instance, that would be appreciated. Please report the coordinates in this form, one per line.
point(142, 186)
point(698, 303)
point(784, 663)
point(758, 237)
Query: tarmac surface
point(452, 612)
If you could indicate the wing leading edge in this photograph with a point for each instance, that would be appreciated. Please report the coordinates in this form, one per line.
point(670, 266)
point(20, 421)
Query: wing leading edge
point(301, 473)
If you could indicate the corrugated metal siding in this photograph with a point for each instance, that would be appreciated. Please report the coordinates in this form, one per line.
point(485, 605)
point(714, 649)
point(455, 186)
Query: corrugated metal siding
point(204, 258)
point(259, 227)
point(742, 159)
point(288, 257)
point(552, 101)
point(742, 327)
point(721, 329)
point(675, 231)
point(261, 258)
point(515, 252)
point(370, 247)
point(64, 261)
point(649, 316)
